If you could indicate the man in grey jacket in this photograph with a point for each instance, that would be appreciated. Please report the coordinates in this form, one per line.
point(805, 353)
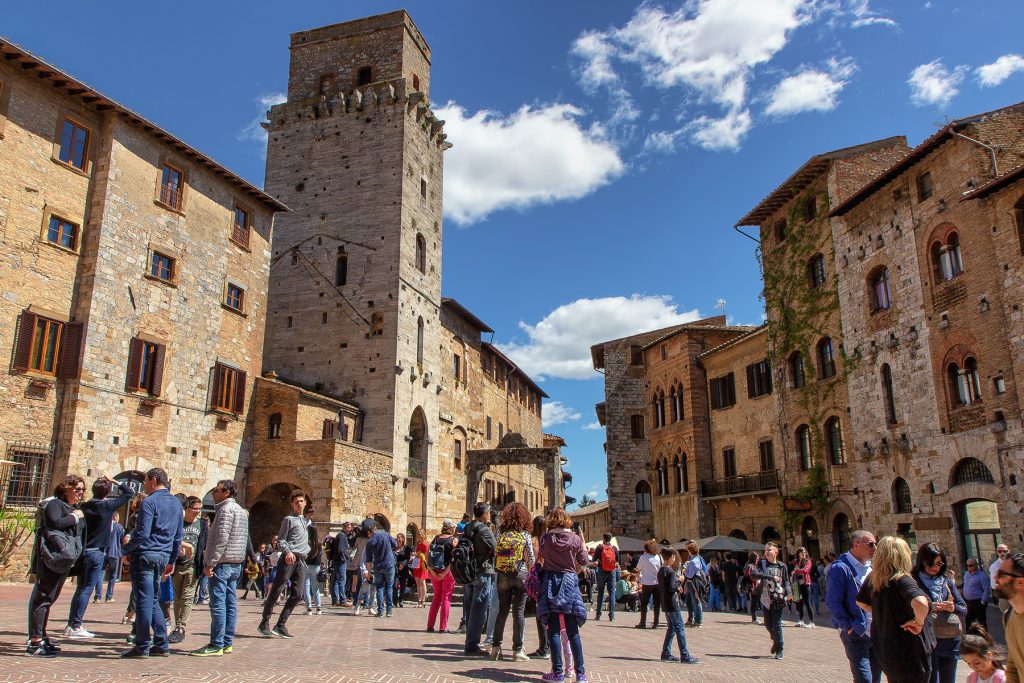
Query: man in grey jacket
point(226, 543)
point(293, 542)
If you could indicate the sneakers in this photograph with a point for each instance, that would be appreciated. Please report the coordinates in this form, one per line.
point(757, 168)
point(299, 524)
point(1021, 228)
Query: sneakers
point(519, 656)
point(495, 653)
point(228, 649)
point(690, 659)
point(373, 611)
point(809, 624)
point(110, 600)
point(264, 630)
point(134, 653)
point(208, 651)
point(155, 652)
point(359, 608)
point(669, 658)
point(39, 650)
point(462, 628)
point(778, 655)
point(347, 603)
point(79, 633)
point(801, 624)
point(320, 611)
point(176, 636)
point(640, 626)
point(308, 612)
point(388, 615)
point(581, 677)
point(556, 678)
point(540, 654)
point(281, 632)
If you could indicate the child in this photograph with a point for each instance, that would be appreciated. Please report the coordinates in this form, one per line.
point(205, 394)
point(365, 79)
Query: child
point(669, 592)
point(977, 650)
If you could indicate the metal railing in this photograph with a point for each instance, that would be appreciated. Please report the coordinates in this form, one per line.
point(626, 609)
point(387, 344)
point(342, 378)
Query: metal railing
point(28, 477)
point(743, 484)
point(170, 196)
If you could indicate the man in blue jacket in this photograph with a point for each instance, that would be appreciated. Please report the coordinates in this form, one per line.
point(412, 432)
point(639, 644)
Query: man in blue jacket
point(153, 545)
point(845, 577)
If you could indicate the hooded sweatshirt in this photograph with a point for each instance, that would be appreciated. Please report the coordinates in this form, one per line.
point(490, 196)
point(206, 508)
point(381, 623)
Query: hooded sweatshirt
point(562, 550)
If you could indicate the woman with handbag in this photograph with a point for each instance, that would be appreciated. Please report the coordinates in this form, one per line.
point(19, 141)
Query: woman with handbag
point(419, 567)
point(948, 607)
point(439, 567)
point(403, 556)
point(58, 546)
point(802, 567)
point(513, 559)
point(775, 592)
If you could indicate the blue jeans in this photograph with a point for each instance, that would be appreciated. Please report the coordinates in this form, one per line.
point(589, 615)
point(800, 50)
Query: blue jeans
point(311, 589)
point(114, 567)
point(675, 628)
point(606, 581)
point(695, 611)
point(338, 582)
point(224, 604)
point(492, 611)
point(572, 632)
point(383, 581)
point(201, 592)
point(150, 627)
point(863, 663)
point(944, 658)
point(715, 598)
point(773, 622)
point(478, 596)
point(92, 573)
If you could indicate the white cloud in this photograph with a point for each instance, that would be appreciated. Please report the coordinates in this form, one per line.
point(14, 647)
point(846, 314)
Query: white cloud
point(998, 71)
point(254, 131)
point(559, 344)
point(597, 52)
point(592, 426)
point(537, 155)
point(662, 141)
point(863, 15)
point(723, 133)
point(809, 90)
point(557, 413)
point(933, 83)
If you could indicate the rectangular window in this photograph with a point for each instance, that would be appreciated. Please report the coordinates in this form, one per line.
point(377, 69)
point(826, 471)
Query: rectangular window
point(74, 144)
point(240, 227)
point(925, 189)
point(729, 461)
point(330, 429)
point(766, 451)
point(501, 431)
point(723, 391)
point(234, 297)
point(161, 267)
point(364, 76)
point(636, 426)
point(488, 427)
point(47, 346)
point(228, 389)
point(62, 233)
point(664, 351)
point(457, 367)
point(46, 340)
point(759, 379)
point(145, 366)
point(171, 186)
point(636, 355)
point(458, 454)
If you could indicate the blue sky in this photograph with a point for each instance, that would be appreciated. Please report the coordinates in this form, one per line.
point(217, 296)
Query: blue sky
point(603, 149)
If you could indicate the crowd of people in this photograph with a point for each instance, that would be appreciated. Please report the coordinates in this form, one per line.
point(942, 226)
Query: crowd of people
point(905, 616)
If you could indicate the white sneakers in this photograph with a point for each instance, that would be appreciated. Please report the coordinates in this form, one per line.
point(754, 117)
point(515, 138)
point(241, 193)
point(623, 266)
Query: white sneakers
point(359, 608)
point(520, 656)
point(79, 633)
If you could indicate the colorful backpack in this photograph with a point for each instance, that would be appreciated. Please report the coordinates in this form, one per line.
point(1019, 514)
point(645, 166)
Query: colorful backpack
point(510, 553)
point(608, 563)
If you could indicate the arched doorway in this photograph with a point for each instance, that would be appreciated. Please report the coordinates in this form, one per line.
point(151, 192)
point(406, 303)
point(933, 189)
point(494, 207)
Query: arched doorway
point(770, 533)
point(738, 533)
point(809, 537)
point(383, 521)
point(417, 439)
point(267, 511)
point(840, 533)
point(979, 528)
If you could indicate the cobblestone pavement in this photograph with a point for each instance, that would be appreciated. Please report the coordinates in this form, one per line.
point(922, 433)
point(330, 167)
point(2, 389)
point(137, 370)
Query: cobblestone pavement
point(339, 646)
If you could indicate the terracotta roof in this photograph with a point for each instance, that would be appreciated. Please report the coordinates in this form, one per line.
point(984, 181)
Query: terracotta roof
point(805, 175)
point(922, 150)
point(996, 184)
point(590, 509)
point(695, 328)
point(554, 440)
point(91, 97)
point(735, 340)
point(515, 368)
point(464, 312)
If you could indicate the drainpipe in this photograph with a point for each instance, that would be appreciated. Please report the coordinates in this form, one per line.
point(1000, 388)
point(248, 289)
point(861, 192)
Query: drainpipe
point(749, 237)
point(991, 151)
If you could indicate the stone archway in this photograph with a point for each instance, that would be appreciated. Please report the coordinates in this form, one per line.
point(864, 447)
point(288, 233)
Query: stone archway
point(268, 509)
point(418, 438)
point(513, 450)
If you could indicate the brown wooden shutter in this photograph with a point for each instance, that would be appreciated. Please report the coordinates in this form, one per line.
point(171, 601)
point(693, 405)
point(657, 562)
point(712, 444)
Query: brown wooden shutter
point(71, 347)
point(215, 396)
point(751, 379)
point(23, 348)
point(158, 369)
point(135, 350)
point(239, 402)
point(731, 386)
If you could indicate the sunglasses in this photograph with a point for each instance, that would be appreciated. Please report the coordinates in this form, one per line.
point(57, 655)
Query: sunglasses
point(1000, 573)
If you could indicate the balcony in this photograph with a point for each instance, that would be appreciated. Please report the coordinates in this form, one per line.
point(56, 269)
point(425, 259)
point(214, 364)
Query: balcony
point(759, 483)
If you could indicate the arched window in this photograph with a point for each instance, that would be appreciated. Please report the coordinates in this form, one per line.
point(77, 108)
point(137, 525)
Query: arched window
point(677, 476)
point(816, 270)
point(796, 370)
point(971, 471)
point(803, 447)
point(780, 230)
point(826, 359)
point(888, 394)
point(834, 441)
point(421, 253)
point(674, 404)
point(946, 260)
point(901, 503)
point(274, 426)
point(878, 284)
point(643, 496)
point(663, 477)
point(964, 382)
point(677, 403)
point(419, 341)
point(972, 379)
point(657, 478)
point(341, 268)
point(658, 408)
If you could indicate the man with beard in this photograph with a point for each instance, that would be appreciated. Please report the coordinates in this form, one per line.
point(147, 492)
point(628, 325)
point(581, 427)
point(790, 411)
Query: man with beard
point(1009, 578)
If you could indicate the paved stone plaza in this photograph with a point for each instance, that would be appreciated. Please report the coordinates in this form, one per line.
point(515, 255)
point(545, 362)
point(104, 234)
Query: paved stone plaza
point(338, 646)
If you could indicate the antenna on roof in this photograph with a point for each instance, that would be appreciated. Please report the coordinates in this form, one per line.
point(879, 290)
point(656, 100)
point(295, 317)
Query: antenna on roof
point(720, 305)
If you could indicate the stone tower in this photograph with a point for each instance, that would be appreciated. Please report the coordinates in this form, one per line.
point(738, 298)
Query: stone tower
point(355, 280)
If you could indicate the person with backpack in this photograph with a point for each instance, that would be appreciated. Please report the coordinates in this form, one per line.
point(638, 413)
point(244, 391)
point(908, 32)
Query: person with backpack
point(750, 588)
point(669, 596)
point(775, 592)
point(696, 572)
point(513, 559)
point(438, 564)
point(606, 557)
point(947, 609)
point(474, 568)
point(560, 606)
point(339, 566)
point(60, 535)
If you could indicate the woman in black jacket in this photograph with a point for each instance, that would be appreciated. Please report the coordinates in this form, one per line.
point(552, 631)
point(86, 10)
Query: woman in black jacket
point(948, 607)
point(59, 515)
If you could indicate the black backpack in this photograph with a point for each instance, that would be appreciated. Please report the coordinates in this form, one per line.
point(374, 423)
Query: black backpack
point(437, 558)
point(464, 566)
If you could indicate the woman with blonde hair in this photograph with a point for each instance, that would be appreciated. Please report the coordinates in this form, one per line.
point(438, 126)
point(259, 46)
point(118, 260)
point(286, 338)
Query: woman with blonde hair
point(419, 567)
point(901, 633)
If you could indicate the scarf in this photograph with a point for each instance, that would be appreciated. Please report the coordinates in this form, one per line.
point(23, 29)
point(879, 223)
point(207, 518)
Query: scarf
point(935, 585)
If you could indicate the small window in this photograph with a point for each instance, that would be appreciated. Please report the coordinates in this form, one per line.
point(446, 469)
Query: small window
point(241, 226)
point(766, 454)
point(888, 395)
point(423, 187)
point(759, 379)
point(162, 267)
point(415, 83)
point(797, 372)
point(901, 501)
point(636, 426)
point(46, 339)
point(636, 355)
point(172, 185)
point(723, 391)
point(274, 426)
point(834, 441)
point(810, 209)
point(946, 260)
point(376, 324)
point(924, 186)
point(234, 297)
point(145, 366)
point(780, 231)
point(364, 76)
point(816, 271)
point(341, 268)
point(1000, 384)
point(729, 462)
point(419, 341)
point(228, 389)
point(879, 285)
point(457, 367)
point(501, 431)
point(421, 254)
point(489, 435)
point(826, 359)
point(803, 447)
point(63, 233)
point(74, 144)
point(643, 496)
point(1018, 216)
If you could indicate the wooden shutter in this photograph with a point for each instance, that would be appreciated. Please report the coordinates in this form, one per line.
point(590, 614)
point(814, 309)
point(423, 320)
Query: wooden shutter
point(23, 348)
point(158, 369)
point(215, 400)
point(767, 376)
point(135, 351)
point(751, 380)
point(238, 405)
point(730, 382)
point(71, 347)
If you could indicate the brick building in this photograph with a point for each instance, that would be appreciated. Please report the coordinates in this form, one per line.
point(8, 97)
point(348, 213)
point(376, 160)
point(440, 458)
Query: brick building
point(134, 271)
